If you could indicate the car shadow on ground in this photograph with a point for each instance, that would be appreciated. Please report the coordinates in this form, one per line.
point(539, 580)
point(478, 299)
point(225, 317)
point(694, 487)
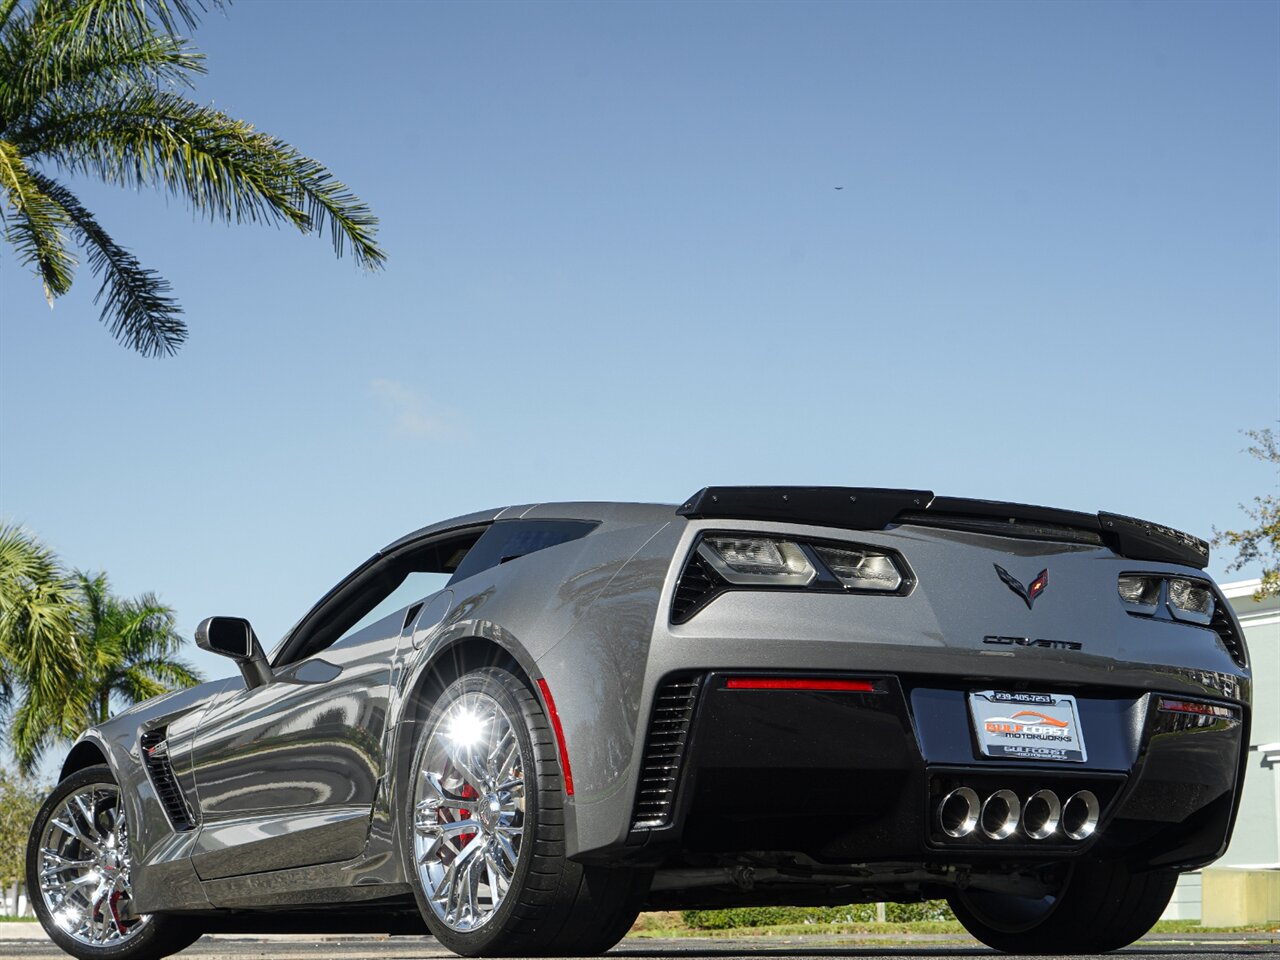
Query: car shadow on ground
point(740, 948)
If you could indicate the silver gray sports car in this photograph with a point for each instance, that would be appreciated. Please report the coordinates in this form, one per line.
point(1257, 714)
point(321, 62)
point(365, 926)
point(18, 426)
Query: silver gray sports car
point(516, 729)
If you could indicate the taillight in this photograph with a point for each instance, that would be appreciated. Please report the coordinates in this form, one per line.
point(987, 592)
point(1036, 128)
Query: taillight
point(723, 561)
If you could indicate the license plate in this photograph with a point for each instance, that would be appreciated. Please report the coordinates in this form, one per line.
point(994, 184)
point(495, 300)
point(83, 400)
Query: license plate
point(1027, 726)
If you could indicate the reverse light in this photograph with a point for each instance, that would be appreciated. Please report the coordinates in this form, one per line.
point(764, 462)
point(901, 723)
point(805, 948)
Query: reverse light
point(1191, 601)
point(1141, 592)
point(1196, 707)
point(862, 569)
point(758, 561)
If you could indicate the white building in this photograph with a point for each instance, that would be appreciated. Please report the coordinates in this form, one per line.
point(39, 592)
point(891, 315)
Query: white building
point(1256, 841)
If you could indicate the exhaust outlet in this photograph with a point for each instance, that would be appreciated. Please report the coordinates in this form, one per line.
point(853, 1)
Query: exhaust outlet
point(1080, 815)
point(958, 813)
point(1041, 815)
point(1000, 814)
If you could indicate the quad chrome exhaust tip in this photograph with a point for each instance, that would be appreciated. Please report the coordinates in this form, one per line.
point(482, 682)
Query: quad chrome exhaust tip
point(1001, 813)
point(1080, 815)
point(958, 812)
point(1042, 816)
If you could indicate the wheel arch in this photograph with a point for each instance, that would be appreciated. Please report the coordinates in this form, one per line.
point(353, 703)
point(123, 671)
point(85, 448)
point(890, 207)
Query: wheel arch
point(474, 647)
point(86, 753)
point(451, 659)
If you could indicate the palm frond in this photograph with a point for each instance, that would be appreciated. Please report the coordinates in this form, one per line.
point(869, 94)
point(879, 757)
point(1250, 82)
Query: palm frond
point(175, 673)
point(95, 598)
point(30, 731)
point(150, 678)
point(136, 305)
point(39, 64)
point(7, 8)
point(223, 166)
point(37, 225)
point(135, 686)
point(91, 17)
point(146, 628)
point(38, 612)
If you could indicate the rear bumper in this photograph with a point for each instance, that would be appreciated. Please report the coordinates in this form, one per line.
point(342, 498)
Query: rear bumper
point(857, 777)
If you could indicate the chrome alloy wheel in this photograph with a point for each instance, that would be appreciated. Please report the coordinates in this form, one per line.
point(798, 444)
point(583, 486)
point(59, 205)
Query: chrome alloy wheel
point(468, 808)
point(84, 868)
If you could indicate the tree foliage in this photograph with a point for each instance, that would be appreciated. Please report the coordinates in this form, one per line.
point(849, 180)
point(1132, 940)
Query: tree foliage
point(39, 657)
point(20, 800)
point(1259, 543)
point(129, 648)
point(92, 88)
point(69, 648)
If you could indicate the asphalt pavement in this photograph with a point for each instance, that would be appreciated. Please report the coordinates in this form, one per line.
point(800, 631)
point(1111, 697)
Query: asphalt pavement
point(815, 947)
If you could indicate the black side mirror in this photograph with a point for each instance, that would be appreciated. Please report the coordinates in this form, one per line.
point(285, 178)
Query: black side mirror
point(234, 637)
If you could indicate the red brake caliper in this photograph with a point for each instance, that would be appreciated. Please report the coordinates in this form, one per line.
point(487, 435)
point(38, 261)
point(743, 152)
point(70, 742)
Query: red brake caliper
point(467, 792)
point(112, 900)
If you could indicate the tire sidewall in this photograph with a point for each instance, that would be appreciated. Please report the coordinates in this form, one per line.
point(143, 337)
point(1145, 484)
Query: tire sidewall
point(497, 683)
point(143, 944)
point(965, 907)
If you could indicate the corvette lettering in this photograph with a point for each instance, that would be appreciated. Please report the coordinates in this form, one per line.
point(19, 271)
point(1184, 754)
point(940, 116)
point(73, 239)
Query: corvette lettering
point(1033, 642)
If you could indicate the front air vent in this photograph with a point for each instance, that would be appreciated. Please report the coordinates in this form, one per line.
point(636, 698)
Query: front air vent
point(1223, 625)
point(155, 756)
point(698, 586)
point(664, 751)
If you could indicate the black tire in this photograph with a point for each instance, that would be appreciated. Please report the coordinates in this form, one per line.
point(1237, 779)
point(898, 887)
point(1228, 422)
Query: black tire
point(554, 906)
point(160, 937)
point(1103, 906)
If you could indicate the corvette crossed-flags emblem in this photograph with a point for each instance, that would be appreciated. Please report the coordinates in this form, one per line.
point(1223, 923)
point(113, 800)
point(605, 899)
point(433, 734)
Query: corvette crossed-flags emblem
point(1031, 590)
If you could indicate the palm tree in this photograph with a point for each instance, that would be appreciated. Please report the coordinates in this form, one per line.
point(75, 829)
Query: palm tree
point(68, 648)
point(128, 648)
point(39, 656)
point(87, 87)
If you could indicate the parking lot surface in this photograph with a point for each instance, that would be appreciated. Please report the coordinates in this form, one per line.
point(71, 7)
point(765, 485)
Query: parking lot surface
point(815, 947)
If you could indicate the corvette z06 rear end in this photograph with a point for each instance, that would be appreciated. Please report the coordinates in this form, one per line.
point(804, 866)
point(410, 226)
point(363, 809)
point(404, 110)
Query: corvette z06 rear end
point(518, 728)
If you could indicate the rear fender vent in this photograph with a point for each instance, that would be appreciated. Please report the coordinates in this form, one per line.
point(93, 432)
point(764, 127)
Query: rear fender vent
point(1224, 626)
point(155, 757)
point(698, 586)
point(664, 751)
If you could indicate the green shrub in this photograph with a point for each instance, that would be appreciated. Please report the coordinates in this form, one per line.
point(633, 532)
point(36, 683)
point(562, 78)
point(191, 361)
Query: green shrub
point(740, 917)
point(917, 912)
point(20, 800)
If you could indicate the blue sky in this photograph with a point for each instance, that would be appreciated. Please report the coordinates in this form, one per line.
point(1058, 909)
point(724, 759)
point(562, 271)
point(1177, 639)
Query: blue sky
point(620, 269)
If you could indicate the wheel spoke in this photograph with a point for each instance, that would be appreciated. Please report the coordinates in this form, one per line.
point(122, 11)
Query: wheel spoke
point(463, 757)
point(72, 829)
point(431, 804)
point(55, 864)
point(449, 828)
point(507, 849)
point(499, 877)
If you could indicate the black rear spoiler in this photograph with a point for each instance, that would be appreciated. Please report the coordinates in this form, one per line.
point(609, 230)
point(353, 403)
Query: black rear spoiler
point(875, 508)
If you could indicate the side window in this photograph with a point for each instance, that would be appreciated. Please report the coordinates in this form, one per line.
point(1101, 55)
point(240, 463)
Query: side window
point(415, 586)
point(510, 539)
point(379, 587)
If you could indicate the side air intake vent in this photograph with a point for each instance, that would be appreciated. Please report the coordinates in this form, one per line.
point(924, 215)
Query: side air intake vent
point(155, 756)
point(698, 586)
point(1225, 628)
point(664, 751)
